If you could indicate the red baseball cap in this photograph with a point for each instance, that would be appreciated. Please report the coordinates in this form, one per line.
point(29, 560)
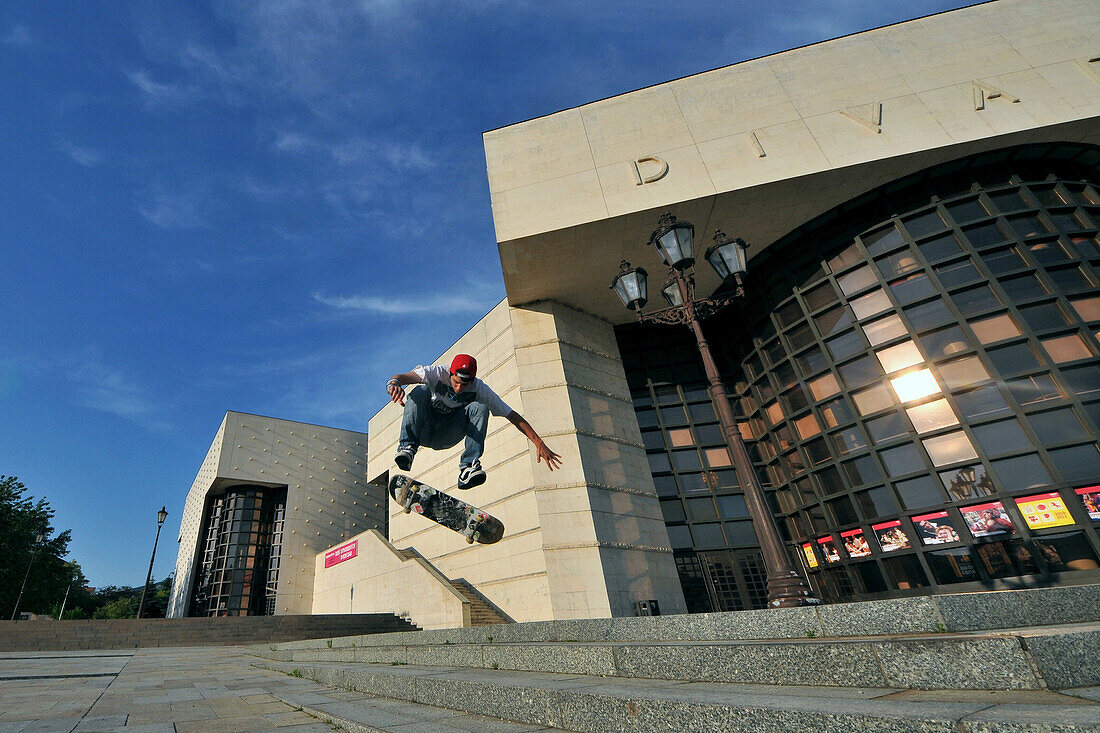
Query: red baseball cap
point(464, 367)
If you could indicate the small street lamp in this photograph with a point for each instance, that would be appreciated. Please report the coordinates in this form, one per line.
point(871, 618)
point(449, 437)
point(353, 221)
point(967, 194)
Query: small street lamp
point(38, 540)
point(161, 516)
point(673, 241)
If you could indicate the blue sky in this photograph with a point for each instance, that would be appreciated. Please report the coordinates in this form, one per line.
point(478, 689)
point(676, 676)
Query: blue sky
point(273, 206)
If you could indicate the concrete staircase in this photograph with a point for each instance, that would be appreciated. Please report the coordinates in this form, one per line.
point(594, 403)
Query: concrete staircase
point(49, 635)
point(1000, 661)
point(482, 612)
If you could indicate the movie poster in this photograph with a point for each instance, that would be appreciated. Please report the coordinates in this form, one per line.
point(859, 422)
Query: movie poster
point(811, 556)
point(1044, 510)
point(855, 544)
point(935, 528)
point(891, 537)
point(985, 520)
point(828, 549)
point(1090, 497)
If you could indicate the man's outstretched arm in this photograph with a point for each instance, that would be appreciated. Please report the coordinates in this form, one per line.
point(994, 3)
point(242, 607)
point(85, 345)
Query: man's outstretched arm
point(553, 460)
point(395, 388)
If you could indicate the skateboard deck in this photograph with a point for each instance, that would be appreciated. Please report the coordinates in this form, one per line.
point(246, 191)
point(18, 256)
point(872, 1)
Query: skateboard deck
point(469, 521)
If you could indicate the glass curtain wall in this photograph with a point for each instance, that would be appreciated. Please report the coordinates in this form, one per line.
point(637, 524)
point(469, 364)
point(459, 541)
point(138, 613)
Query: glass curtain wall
point(239, 566)
point(919, 384)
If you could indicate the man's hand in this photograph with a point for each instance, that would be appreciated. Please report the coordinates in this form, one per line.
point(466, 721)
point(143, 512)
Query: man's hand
point(553, 460)
point(396, 392)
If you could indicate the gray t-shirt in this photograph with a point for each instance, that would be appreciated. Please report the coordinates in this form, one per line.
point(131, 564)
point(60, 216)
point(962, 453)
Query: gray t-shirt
point(444, 399)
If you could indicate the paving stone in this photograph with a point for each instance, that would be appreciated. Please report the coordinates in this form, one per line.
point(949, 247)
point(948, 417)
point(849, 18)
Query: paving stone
point(1067, 659)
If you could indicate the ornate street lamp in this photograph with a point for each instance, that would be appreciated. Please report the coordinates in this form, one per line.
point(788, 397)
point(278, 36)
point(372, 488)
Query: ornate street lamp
point(38, 540)
point(161, 516)
point(630, 286)
point(673, 242)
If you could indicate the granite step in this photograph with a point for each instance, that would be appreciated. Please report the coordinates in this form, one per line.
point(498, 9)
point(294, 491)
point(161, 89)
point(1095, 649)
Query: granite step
point(610, 705)
point(1041, 658)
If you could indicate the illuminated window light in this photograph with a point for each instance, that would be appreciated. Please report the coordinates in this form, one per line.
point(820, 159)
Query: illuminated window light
point(915, 385)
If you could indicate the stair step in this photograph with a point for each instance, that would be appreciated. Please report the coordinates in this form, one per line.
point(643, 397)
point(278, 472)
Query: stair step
point(603, 705)
point(1055, 658)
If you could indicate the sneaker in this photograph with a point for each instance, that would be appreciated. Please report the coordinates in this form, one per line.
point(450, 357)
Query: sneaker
point(404, 457)
point(471, 476)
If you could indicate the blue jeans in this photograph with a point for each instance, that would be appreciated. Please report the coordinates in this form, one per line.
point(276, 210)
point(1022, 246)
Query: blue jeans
point(423, 425)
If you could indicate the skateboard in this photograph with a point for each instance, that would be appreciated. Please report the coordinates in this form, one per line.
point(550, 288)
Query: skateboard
point(469, 521)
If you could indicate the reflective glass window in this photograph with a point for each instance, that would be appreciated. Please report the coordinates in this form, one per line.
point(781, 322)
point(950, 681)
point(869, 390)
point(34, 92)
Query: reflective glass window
point(1070, 347)
point(949, 448)
point(1057, 426)
point(945, 343)
point(876, 503)
point(981, 403)
point(940, 248)
point(932, 416)
point(890, 425)
point(868, 305)
point(884, 329)
point(996, 328)
point(920, 492)
point(1079, 463)
point(856, 280)
point(902, 460)
point(998, 438)
point(899, 356)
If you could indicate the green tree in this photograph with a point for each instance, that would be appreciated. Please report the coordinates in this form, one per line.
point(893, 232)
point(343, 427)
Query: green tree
point(21, 519)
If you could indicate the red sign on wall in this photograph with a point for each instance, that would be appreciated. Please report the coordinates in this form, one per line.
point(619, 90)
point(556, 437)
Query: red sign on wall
point(337, 555)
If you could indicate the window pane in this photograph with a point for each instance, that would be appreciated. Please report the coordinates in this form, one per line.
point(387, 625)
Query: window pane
point(984, 234)
point(1081, 462)
point(997, 328)
point(1044, 316)
point(1047, 252)
point(945, 342)
point(882, 240)
point(905, 572)
point(927, 315)
point(833, 321)
point(1022, 287)
point(884, 329)
point(915, 385)
point(872, 400)
point(1002, 260)
point(856, 280)
point(886, 427)
point(732, 506)
point(848, 441)
point(824, 386)
point(1001, 437)
point(1021, 473)
point(836, 412)
point(1007, 201)
point(940, 248)
point(1034, 389)
point(701, 508)
point(898, 357)
point(843, 511)
point(902, 460)
point(897, 263)
point(923, 224)
point(820, 296)
point(963, 372)
point(1066, 348)
point(950, 448)
point(912, 288)
point(965, 211)
point(1087, 308)
point(741, 533)
point(932, 416)
point(920, 492)
point(686, 460)
point(1057, 426)
point(969, 482)
point(1028, 225)
point(952, 566)
point(859, 372)
point(876, 503)
point(844, 346)
point(958, 273)
point(680, 437)
point(870, 304)
point(862, 471)
point(975, 300)
point(1013, 359)
point(708, 535)
point(983, 402)
point(717, 457)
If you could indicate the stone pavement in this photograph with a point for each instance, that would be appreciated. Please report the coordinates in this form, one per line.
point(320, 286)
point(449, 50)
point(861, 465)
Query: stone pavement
point(200, 689)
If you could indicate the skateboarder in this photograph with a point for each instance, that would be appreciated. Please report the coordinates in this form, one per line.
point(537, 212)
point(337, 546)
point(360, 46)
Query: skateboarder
point(449, 404)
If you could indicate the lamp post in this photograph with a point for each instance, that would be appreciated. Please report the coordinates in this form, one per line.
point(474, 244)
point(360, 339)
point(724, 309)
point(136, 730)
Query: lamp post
point(161, 516)
point(673, 241)
point(38, 540)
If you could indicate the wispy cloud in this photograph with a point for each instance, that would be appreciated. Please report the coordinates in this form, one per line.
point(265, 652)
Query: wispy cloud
point(18, 35)
point(86, 157)
point(171, 209)
point(154, 91)
point(398, 155)
point(395, 306)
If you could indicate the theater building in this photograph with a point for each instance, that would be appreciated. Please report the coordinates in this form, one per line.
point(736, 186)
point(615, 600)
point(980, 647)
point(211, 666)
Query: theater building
point(914, 366)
